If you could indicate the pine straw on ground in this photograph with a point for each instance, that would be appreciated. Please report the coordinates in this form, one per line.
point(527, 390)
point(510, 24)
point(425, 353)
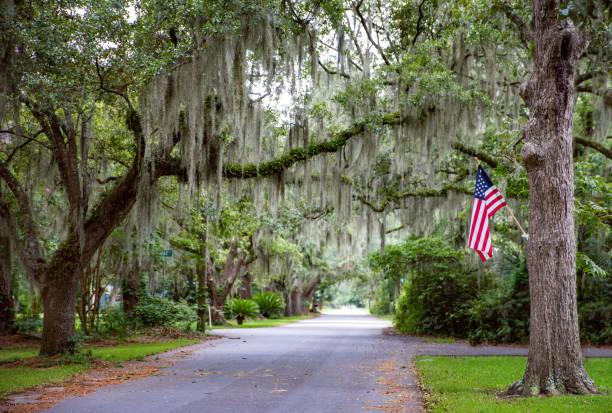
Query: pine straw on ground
point(396, 378)
point(101, 374)
point(150, 335)
point(18, 341)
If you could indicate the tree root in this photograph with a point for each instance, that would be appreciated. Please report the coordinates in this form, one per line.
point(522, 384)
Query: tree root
point(552, 386)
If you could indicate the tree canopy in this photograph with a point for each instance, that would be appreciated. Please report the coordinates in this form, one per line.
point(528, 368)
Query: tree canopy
point(278, 143)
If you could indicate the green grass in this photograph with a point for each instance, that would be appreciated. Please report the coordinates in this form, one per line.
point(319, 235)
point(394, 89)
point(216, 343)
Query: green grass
point(126, 352)
point(439, 340)
point(14, 379)
point(17, 354)
point(18, 378)
point(467, 384)
point(273, 322)
point(386, 317)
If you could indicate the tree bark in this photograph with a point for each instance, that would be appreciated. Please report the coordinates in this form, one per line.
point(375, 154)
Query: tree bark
point(218, 293)
point(296, 303)
point(246, 286)
point(202, 300)
point(202, 270)
point(131, 287)
point(97, 293)
point(308, 293)
point(288, 296)
point(84, 299)
point(58, 294)
point(7, 310)
point(554, 363)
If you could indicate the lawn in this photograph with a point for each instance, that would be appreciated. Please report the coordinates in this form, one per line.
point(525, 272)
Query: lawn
point(439, 340)
point(13, 379)
point(137, 351)
point(272, 322)
point(10, 354)
point(468, 384)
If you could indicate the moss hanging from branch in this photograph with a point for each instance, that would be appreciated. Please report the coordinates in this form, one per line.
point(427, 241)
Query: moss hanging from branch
point(304, 153)
point(392, 197)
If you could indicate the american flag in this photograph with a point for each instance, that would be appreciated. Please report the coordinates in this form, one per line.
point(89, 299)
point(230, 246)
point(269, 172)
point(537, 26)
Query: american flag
point(487, 201)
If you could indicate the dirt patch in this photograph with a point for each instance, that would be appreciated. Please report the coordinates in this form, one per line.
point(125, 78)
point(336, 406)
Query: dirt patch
point(161, 334)
point(391, 331)
point(18, 341)
point(101, 374)
point(399, 383)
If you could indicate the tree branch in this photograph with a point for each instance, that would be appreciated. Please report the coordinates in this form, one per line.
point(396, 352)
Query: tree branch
point(389, 231)
point(418, 25)
point(333, 72)
point(67, 161)
point(475, 152)
point(364, 23)
point(29, 139)
point(30, 252)
point(587, 76)
point(107, 180)
point(525, 31)
point(393, 197)
point(597, 146)
point(112, 91)
point(283, 162)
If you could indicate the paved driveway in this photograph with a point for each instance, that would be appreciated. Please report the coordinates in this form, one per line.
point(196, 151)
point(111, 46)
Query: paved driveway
point(338, 362)
point(333, 363)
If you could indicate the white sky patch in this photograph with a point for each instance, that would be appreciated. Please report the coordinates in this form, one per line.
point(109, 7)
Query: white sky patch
point(108, 45)
point(76, 11)
point(132, 14)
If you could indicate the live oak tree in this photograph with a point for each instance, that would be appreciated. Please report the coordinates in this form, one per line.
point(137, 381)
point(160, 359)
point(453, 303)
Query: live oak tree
point(407, 83)
point(64, 62)
point(221, 243)
point(554, 363)
point(7, 312)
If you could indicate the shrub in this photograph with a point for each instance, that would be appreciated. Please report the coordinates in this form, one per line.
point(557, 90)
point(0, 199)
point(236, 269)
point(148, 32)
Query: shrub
point(595, 309)
point(271, 305)
point(383, 301)
point(241, 309)
point(113, 321)
point(159, 311)
point(501, 315)
point(596, 322)
point(436, 303)
point(29, 325)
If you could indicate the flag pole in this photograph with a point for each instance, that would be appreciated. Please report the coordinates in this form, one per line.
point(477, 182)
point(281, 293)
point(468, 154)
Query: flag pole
point(507, 207)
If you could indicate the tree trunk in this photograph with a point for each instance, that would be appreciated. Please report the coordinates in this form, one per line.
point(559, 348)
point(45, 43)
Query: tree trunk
point(308, 294)
point(383, 232)
point(84, 299)
point(202, 300)
point(219, 293)
point(7, 310)
point(288, 302)
point(554, 363)
point(131, 287)
point(58, 322)
point(97, 293)
point(58, 293)
point(296, 303)
point(246, 286)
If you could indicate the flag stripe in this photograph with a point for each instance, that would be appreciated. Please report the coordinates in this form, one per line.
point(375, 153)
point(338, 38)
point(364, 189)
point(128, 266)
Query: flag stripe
point(476, 223)
point(487, 201)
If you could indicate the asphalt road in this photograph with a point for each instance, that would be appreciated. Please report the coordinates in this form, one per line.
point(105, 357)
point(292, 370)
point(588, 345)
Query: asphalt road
point(333, 363)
